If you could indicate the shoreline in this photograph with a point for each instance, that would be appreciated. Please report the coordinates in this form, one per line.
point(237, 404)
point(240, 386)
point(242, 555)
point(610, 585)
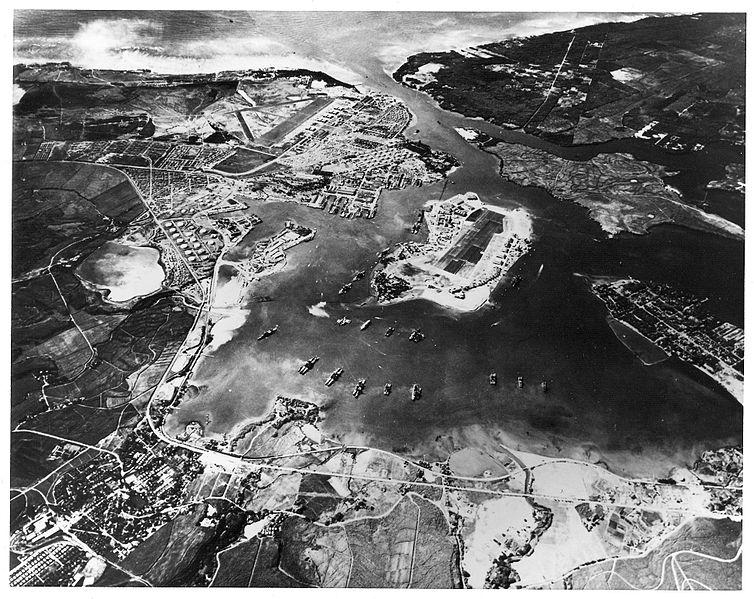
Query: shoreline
point(611, 321)
point(441, 443)
point(726, 378)
point(425, 295)
point(406, 299)
point(204, 66)
point(711, 222)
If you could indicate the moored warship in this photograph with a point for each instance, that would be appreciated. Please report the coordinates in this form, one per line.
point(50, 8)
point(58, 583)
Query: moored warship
point(416, 335)
point(268, 333)
point(334, 376)
point(308, 365)
point(416, 392)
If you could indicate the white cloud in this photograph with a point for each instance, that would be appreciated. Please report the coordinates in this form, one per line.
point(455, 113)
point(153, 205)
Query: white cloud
point(236, 46)
point(129, 44)
point(97, 39)
point(318, 310)
point(224, 329)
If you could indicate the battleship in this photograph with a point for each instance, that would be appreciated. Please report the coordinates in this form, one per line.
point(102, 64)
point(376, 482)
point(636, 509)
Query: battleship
point(308, 365)
point(343, 321)
point(345, 289)
point(366, 324)
point(268, 333)
point(493, 378)
point(416, 335)
point(334, 376)
point(387, 389)
point(359, 275)
point(359, 387)
point(390, 331)
point(416, 392)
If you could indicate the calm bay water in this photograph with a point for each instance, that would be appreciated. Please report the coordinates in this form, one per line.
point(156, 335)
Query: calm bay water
point(550, 328)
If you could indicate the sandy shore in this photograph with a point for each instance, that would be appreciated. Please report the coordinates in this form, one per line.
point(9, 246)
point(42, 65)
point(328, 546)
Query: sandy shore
point(441, 443)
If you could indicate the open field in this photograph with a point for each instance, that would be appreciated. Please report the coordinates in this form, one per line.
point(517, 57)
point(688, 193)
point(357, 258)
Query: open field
point(30, 458)
point(253, 563)
point(315, 555)
point(701, 554)
point(242, 160)
point(56, 204)
point(601, 82)
point(134, 343)
point(82, 423)
point(278, 133)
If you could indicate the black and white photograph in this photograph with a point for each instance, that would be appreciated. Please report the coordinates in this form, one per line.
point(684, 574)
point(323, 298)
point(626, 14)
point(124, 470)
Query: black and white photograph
point(413, 297)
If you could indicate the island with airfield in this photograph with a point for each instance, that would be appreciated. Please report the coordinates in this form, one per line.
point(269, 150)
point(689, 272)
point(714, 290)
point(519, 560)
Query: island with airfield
point(469, 249)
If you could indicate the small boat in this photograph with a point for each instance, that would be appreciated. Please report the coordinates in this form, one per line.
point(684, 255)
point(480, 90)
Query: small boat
point(416, 335)
point(543, 384)
point(343, 321)
point(334, 376)
point(359, 388)
point(520, 382)
point(268, 333)
point(493, 378)
point(416, 392)
point(366, 324)
point(359, 275)
point(388, 389)
point(390, 331)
